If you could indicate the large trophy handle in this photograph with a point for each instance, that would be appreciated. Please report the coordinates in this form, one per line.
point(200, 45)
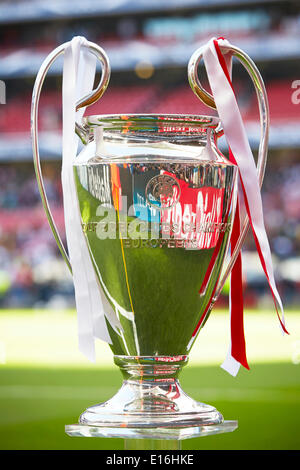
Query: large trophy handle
point(85, 101)
point(264, 115)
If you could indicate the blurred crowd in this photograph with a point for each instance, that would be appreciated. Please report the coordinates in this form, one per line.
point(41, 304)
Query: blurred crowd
point(32, 272)
point(19, 188)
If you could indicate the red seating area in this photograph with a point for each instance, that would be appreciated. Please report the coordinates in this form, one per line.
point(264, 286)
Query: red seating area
point(125, 99)
point(15, 115)
point(182, 100)
point(179, 100)
point(280, 103)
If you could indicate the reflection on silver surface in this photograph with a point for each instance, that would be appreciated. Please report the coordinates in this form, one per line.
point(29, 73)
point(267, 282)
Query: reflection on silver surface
point(156, 205)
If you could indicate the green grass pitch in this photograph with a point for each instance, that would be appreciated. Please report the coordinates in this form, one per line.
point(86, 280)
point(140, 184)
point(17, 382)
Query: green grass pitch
point(38, 398)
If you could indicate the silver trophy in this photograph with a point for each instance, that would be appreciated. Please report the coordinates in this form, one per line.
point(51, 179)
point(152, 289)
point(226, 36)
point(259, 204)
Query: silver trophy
point(157, 200)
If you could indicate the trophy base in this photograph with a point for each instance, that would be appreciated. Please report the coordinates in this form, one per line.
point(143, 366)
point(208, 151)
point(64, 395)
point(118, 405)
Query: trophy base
point(151, 405)
point(85, 430)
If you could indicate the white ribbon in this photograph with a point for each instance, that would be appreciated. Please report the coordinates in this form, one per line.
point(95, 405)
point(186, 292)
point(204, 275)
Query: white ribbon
point(78, 79)
point(237, 140)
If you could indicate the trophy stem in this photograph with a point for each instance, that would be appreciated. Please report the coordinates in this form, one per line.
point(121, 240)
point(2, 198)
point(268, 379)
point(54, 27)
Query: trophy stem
point(151, 405)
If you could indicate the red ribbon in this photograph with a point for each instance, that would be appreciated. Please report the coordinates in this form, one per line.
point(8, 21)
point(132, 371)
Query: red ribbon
point(238, 344)
point(261, 257)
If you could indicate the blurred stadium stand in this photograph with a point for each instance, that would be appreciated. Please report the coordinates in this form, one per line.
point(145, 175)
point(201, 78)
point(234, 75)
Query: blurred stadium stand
point(153, 40)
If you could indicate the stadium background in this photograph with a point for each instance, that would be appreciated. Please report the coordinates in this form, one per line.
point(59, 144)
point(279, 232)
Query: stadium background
point(44, 382)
